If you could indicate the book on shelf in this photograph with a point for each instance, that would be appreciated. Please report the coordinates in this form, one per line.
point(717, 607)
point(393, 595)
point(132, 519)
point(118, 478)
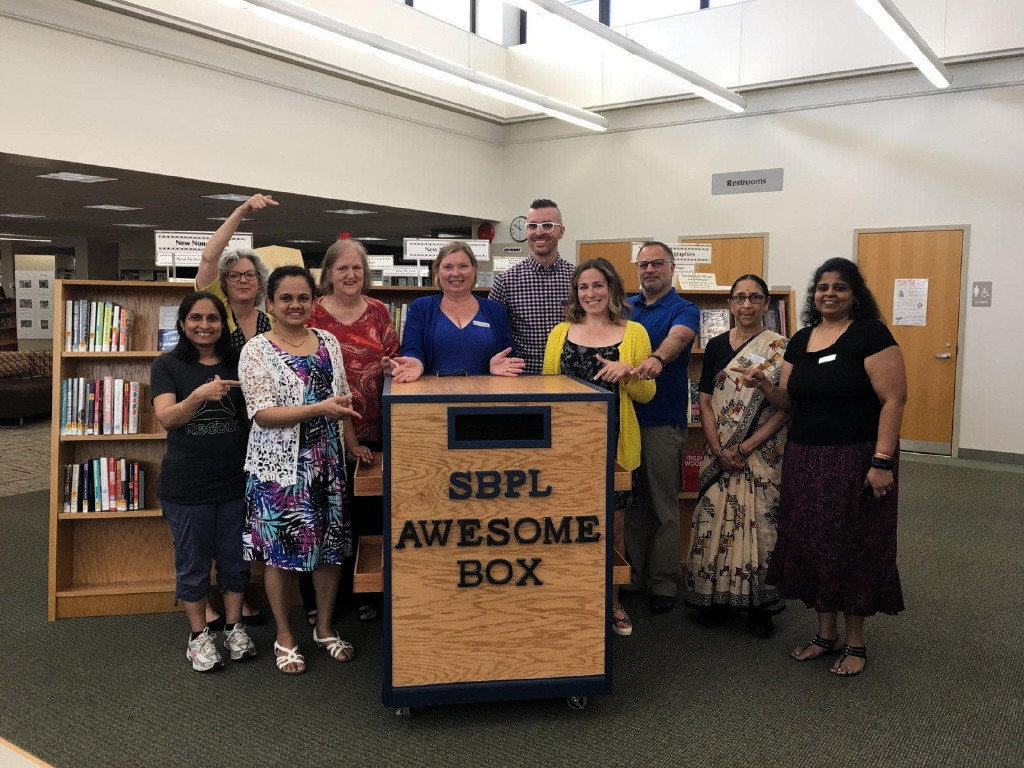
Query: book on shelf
point(713, 322)
point(106, 406)
point(781, 306)
point(771, 319)
point(167, 328)
point(104, 484)
point(96, 326)
point(694, 402)
point(689, 479)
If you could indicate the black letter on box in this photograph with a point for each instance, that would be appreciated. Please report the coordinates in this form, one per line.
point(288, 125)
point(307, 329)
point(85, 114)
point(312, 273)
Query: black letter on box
point(559, 535)
point(467, 533)
point(514, 478)
point(461, 485)
point(585, 533)
point(528, 572)
point(506, 565)
point(469, 569)
point(518, 529)
point(488, 484)
point(534, 479)
point(497, 532)
point(408, 533)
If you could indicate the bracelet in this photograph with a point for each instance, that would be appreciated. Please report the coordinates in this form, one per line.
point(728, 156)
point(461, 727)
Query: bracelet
point(878, 463)
point(739, 450)
point(659, 358)
point(769, 388)
point(189, 415)
point(881, 455)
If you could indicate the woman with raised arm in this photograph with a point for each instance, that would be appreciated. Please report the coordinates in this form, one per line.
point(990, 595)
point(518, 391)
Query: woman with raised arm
point(844, 379)
point(295, 390)
point(455, 332)
point(202, 485)
point(733, 532)
point(237, 277)
point(598, 344)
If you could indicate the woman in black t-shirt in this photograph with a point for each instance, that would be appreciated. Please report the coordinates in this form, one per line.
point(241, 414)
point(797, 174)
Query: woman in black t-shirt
point(198, 401)
point(844, 379)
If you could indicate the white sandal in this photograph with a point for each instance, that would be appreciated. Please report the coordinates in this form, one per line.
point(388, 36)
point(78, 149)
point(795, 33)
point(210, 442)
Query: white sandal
point(339, 649)
point(291, 656)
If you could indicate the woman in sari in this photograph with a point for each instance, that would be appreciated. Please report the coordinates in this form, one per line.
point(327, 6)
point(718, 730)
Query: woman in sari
point(733, 532)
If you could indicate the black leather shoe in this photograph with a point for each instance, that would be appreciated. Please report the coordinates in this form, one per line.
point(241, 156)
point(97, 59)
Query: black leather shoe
point(627, 593)
point(662, 603)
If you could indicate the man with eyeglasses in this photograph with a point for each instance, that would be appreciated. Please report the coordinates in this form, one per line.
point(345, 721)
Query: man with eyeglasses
point(652, 531)
point(536, 290)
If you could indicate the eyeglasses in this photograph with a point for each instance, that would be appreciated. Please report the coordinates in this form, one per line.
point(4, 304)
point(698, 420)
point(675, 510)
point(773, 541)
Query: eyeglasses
point(543, 226)
point(754, 298)
point(656, 263)
point(234, 277)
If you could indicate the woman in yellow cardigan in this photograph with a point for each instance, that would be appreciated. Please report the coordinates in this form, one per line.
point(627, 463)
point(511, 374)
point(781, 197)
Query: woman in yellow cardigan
point(598, 344)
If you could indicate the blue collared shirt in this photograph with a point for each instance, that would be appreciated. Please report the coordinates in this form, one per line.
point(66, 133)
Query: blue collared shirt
point(671, 403)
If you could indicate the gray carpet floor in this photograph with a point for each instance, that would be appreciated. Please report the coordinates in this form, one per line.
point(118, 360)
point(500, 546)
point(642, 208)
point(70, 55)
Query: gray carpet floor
point(943, 687)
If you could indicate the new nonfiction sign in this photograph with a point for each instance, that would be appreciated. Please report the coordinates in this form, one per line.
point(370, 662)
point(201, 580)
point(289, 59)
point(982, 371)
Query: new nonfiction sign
point(743, 182)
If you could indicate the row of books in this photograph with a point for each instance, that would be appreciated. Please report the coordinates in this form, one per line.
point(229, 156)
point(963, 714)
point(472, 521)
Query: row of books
point(106, 484)
point(96, 326)
point(106, 406)
point(399, 312)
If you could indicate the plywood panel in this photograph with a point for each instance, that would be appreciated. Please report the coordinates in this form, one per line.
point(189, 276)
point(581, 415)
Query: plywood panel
point(732, 256)
point(620, 255)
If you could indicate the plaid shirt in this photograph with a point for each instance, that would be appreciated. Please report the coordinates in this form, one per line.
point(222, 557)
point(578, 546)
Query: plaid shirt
point(535, 297)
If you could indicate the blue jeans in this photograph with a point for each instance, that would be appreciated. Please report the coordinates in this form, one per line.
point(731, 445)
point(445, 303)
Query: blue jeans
point(203, 533)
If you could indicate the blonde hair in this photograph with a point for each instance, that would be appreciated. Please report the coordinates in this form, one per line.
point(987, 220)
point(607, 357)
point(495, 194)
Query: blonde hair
point(455, 246)
point(335, 252)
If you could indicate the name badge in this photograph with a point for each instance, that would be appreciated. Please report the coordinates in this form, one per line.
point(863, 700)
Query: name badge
point(756, 359)
point(826, 359)
point(483, 324)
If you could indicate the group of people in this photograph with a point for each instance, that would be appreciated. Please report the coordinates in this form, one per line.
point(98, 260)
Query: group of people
point(265, 410)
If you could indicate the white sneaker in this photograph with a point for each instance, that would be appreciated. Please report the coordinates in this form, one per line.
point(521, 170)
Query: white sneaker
point(238, 643)
point(203, 653)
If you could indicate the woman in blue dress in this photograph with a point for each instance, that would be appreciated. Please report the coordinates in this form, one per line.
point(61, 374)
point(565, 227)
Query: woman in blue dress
point(294, 383)
point(455, 332)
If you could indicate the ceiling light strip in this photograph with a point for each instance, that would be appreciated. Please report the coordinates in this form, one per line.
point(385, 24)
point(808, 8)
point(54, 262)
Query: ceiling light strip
point(895, 25)
point(680, 75)
point(446, 70)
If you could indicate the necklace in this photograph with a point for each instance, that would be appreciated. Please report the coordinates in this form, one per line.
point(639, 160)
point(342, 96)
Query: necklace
point(292, 343)
point(739, 342)
point(837, 333)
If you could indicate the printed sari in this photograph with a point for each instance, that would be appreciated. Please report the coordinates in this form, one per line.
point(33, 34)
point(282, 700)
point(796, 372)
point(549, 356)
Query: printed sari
point(734, 520)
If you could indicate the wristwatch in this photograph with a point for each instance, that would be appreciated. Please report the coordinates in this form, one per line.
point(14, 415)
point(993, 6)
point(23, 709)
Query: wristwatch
point(659, 358)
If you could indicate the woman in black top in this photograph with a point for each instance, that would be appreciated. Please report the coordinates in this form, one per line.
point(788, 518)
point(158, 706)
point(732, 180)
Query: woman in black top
point(844, 378)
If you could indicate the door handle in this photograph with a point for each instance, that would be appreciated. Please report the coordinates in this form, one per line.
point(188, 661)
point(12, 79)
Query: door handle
point(943, 356)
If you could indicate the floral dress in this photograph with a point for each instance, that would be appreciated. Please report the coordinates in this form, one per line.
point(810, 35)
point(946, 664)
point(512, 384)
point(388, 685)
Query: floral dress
point(301, 526)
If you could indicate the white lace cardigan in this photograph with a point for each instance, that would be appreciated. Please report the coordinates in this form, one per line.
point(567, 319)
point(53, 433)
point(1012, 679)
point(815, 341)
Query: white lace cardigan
point(273, 453)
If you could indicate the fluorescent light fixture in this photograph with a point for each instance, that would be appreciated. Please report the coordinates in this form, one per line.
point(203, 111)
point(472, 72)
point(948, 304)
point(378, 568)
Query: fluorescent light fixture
point(895, 25)
point(84, 178)
point(222, 218)
point(350, 211)
point(24, 239)
point(138, 226)
point(371, 238)
point(675, 73)
point(233, 197)
point(22, 215)
point(302, 241)
point(420, 61)
point(106, 207)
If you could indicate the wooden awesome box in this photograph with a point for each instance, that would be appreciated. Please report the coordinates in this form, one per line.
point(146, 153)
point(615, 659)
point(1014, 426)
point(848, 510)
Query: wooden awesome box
point(496, 555)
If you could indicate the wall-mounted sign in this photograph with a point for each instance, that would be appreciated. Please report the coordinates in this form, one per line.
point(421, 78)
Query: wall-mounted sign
point(185, 249)
point(696, 281)
point(501, 263)
point(742, 182)
point(380, 262)
point(981, 295)
point(417, 249)
point(684, 255)
point(34, 295)
point(910, 301)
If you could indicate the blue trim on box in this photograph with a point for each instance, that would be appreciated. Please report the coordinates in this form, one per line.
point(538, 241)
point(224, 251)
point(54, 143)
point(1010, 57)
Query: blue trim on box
point(386, 540)
point(543, 442)
point(610, 536)
point(497, 690)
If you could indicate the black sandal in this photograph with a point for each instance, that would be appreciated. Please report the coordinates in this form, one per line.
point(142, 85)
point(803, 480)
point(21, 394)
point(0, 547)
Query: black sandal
point(858, 652)
point(828, 645)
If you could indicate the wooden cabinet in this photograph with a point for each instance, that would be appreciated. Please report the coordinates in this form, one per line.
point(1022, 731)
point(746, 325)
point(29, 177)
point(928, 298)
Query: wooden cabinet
point(104, 563)
point(8, 326)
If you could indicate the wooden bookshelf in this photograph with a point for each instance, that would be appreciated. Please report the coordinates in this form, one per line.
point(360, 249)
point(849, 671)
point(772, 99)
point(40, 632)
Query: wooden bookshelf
point(8, 326)
point(105, 563)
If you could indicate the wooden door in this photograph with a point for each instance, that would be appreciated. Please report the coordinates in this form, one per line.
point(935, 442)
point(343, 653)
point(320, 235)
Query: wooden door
point(930, 351)
point(732, 256)
point(620, 254)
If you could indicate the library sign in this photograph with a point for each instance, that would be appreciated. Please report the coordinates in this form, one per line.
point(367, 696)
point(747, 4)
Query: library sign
point(185, 249)
point(469, 535)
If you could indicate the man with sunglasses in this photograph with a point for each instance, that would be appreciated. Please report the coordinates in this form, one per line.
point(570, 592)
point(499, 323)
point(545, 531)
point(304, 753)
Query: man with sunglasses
point(536, 290)
point(652, 531)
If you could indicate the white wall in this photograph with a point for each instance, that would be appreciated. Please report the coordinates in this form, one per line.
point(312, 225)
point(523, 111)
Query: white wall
point(938, 159)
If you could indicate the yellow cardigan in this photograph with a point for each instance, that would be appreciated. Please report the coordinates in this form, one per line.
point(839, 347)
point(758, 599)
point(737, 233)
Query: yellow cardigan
point(635, 347)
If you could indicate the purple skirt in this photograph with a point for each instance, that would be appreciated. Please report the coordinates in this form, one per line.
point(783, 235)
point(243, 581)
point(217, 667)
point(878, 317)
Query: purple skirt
point(837, 545)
